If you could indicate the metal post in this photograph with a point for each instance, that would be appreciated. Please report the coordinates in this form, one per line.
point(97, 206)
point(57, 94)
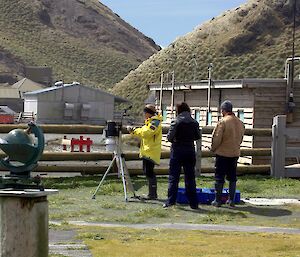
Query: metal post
point(209, 91)
point(172, 97)
point(209, 86)
point(161, 90)
point(278, 146)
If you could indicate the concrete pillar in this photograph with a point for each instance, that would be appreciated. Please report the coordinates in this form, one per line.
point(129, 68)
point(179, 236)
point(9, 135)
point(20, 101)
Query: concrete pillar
point(24, 223)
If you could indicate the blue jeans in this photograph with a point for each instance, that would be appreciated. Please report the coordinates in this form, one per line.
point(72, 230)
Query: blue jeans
point(182, 156)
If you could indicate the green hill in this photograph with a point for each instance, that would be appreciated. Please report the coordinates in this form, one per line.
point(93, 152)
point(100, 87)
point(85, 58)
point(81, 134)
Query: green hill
point(82, 40)
point(252, 41)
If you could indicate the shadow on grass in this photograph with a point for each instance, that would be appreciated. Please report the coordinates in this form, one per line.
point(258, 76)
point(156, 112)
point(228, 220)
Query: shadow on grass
point(264, 211)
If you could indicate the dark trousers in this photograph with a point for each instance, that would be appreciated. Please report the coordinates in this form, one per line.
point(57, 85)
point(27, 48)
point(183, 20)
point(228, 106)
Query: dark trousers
point(182, 157)
point(225, 166)
point(148, 168)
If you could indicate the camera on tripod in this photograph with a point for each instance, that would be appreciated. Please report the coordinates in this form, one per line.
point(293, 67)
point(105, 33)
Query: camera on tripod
point(112, 134)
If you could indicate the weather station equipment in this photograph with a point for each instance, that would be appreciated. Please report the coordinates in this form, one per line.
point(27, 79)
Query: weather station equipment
point(113, 135)
point(23, 199)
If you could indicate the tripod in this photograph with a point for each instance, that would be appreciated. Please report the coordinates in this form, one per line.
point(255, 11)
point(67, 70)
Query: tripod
point(119, 160)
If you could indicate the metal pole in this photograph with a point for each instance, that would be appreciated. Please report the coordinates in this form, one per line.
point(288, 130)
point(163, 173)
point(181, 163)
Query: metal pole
point(209, 86)
point(172, 97)
point(209, 91)
point(195, 68)
point(104, 176)
point(161, 90)
point(293, 47)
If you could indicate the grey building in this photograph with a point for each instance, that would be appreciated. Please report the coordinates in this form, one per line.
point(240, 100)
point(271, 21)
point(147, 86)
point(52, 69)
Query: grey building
point(71, 104)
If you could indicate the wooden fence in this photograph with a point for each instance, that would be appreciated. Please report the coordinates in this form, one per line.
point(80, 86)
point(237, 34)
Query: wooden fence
point(46, 162)
point(281, 136)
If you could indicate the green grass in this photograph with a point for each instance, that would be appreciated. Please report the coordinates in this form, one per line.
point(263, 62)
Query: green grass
point(74, 203)
point(167, 243)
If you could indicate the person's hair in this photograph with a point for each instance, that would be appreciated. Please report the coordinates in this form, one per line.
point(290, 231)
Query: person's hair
point(150, 108)
point(182, 107)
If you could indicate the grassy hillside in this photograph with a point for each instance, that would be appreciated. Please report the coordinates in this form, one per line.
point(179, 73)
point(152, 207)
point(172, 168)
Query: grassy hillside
point(82, 40)
point(252, 41)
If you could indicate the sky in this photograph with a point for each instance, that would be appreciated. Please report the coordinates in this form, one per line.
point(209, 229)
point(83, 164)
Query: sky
point(165, 20)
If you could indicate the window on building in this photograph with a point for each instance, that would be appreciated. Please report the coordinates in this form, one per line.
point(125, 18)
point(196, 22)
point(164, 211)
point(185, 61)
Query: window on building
point(208, 118)
point(85, 111)
point(164, 112)
point(197, 115)
point(240, 114)
point(69, 110)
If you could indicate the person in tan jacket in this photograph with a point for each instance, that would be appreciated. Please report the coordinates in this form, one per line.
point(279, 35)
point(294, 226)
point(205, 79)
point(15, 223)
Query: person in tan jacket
point(226, 140)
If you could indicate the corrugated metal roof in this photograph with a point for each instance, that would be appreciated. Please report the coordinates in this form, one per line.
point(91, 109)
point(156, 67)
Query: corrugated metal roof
point(49, 89)
point(6, 92)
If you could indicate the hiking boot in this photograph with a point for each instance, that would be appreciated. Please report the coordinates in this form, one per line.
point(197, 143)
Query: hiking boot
point(167, 205)
point(152, 187)
point(230, 203)
point(218, 199)
point(216, 203)
point(149, 197)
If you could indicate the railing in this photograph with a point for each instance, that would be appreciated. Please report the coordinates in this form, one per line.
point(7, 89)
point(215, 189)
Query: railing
point(280, 149)
point(23, 117)
point(85, 168)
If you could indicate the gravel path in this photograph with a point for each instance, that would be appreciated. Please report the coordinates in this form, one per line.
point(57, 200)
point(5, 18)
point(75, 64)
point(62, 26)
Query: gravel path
point(65, 243)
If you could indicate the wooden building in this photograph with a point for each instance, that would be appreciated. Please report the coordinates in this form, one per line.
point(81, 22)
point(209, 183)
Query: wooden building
point(12, 95)
point(71, 104)
point(255, 102)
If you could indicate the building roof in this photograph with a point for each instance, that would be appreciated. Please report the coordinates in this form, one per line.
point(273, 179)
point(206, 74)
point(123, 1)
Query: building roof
point(49, 89)
point(231, 83)
point(6, 110)
point(8, 92)
point(26, 84)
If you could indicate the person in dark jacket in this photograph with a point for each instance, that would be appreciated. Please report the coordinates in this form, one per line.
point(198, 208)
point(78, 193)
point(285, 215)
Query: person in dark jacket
point(184, 130)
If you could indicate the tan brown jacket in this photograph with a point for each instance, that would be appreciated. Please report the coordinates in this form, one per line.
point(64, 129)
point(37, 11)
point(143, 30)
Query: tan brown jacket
point(228, 136)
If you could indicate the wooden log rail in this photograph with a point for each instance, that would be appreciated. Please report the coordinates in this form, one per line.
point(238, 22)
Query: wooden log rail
point(94, 129)
point(85, 168)
point(92, 169)
point(99, 170)
point(130, 156)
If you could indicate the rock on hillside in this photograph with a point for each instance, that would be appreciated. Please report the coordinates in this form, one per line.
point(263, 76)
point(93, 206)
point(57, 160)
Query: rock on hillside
point(82, 40)
point(252, 40)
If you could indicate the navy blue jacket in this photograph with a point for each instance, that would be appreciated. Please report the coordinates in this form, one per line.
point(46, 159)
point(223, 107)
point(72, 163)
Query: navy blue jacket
point(184, 130)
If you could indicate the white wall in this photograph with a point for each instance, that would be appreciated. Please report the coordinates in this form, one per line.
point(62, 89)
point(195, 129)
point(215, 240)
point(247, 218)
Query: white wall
point(31, 105)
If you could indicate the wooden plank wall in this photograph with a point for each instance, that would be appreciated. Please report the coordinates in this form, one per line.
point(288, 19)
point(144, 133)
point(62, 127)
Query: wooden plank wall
point(242, 99)
point(268, 103)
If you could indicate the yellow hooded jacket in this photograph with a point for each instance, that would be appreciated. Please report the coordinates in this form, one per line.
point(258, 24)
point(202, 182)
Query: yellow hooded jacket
point(150, 135)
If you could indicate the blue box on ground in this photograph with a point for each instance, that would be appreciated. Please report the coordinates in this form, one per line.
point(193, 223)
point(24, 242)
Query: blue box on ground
point(206, 195)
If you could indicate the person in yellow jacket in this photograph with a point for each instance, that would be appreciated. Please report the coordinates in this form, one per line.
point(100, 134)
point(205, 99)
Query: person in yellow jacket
point(150, 149)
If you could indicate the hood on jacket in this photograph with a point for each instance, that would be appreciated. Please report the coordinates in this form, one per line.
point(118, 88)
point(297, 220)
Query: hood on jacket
point(185, 117)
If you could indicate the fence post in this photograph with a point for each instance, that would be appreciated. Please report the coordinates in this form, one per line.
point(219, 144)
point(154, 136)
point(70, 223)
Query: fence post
point(198, 155)
point(278, 146)
point(64, 145)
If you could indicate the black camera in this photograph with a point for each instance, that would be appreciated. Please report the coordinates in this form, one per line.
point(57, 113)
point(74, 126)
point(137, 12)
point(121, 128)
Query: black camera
point(112, 129)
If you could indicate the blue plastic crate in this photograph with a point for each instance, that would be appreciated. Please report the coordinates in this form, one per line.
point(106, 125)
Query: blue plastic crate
point(206, 195)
